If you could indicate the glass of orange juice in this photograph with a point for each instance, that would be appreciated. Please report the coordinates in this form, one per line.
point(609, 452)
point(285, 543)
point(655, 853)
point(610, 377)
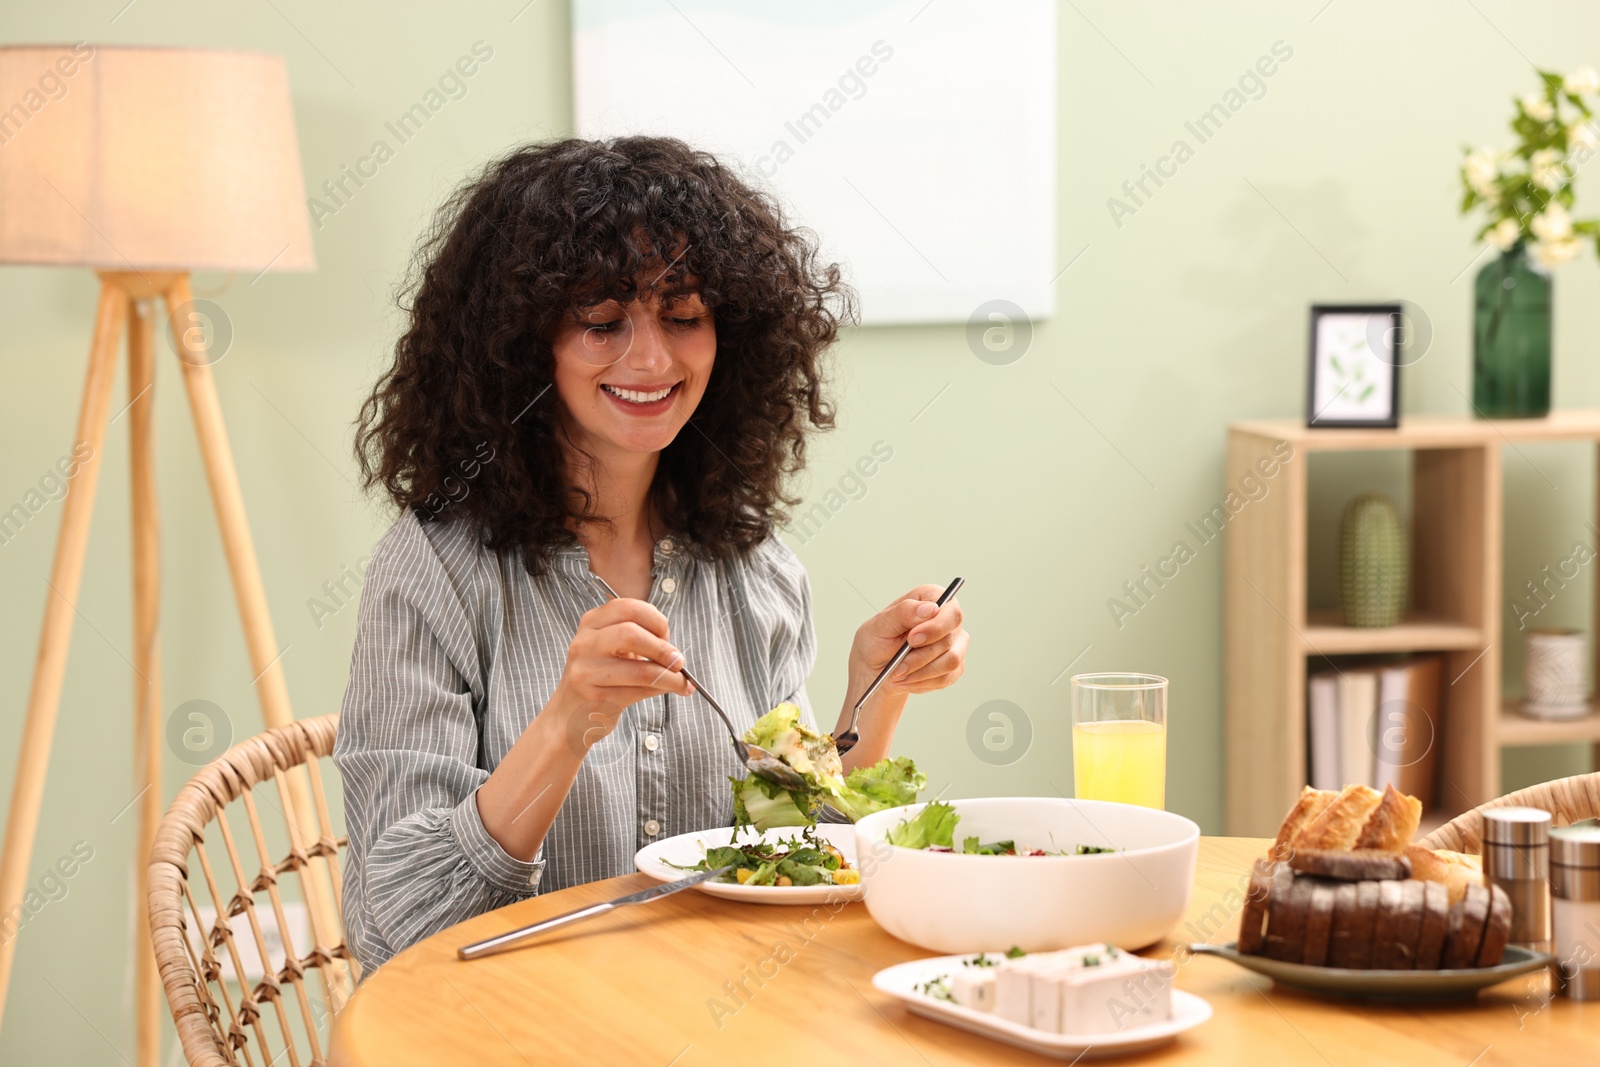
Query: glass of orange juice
point(1119, 738)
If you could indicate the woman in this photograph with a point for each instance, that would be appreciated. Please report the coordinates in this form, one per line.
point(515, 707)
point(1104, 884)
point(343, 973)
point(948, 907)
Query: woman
point(611, 364)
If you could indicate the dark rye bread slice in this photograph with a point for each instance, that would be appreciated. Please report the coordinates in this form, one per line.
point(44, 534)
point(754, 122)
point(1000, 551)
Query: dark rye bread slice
point(1496, 930)
point(1350, 944)
point(1360, 865)
point(1367, 894)
point(1409, 927)
point(1386, 931)
point(1252, 922)
point(1286, 920)
point(1464, 931)
point(1435, 920)
point(1319, 922)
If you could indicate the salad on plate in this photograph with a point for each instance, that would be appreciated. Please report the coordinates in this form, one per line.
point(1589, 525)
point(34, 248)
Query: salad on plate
point(803, 860)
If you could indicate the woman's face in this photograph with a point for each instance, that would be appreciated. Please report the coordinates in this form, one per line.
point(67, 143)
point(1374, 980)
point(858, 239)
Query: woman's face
point(631, 375)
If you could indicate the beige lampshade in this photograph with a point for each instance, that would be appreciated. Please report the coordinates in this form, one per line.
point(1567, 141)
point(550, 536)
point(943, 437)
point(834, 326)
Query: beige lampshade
point(125, 158)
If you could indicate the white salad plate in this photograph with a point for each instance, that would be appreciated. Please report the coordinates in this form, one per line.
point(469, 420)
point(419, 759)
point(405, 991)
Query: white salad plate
point(901, 982)
point(686, 850)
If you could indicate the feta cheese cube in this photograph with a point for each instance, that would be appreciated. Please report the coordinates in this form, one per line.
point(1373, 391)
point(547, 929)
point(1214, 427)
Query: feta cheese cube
point(1013, 989)
point(1053, 982)
point(1115, 996)
point(973, 987)
point(1091, 989)
point(1045, 1000)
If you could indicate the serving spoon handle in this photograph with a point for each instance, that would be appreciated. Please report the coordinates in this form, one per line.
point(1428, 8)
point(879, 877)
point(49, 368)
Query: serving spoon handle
point(847, 740)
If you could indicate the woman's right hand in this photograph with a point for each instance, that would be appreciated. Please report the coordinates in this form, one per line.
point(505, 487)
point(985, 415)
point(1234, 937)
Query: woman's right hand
point(619, 656)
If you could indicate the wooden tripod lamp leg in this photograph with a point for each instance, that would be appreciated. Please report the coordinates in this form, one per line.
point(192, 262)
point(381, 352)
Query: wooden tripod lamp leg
point(60, 599)
point(146, 662)
point(229, 501)
point(271, 689)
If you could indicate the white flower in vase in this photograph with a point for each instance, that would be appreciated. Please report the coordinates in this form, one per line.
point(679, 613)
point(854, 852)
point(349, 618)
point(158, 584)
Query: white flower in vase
point(1582, 82)
point(1553, 224)
point(1481, 170)
point(1555, 253)
point(1516, 189)
point(1545, 169)
point(1538, 107)
point(1504, 234)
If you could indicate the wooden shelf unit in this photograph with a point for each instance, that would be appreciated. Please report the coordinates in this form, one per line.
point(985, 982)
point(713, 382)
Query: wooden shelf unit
point(1515, 728)
point(1325, 635)
point(1455, 597)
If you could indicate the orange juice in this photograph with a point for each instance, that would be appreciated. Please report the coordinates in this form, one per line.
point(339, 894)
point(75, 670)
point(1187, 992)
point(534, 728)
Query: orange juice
point(1124, 760)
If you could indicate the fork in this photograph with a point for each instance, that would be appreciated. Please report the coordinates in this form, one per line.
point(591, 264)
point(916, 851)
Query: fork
point(847, 740)
point(757, 759)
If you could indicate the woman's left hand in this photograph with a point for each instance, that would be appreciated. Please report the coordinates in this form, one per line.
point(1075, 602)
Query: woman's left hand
point(938, 644)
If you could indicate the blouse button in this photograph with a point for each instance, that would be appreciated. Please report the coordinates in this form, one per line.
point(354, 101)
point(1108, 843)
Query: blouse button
point(652, 741)
point(669, 585)
point(651, 827)
point(666, 546)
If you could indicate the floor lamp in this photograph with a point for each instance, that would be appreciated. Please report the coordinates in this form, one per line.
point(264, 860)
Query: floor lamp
point(145, 164)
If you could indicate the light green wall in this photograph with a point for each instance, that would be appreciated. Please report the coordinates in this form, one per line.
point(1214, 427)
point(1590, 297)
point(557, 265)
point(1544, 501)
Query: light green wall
point(1338, 185)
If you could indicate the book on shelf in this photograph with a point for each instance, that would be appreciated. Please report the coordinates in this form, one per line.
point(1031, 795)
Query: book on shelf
point(1322, 732)
point(1408, 725)
point(1378, 724)
point(1358, 703)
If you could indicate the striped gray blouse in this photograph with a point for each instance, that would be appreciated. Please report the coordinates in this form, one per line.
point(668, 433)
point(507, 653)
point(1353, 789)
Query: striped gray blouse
point(458, 648)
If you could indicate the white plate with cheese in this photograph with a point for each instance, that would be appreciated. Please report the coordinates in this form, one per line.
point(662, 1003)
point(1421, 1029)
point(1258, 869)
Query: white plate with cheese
point(658, 859)
point(1090, 998)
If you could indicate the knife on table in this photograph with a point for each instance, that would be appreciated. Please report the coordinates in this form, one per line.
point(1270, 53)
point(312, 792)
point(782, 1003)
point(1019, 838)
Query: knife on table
point(514, 938)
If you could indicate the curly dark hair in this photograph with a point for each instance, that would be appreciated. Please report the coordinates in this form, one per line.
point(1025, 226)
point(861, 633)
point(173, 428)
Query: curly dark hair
point(459, 427)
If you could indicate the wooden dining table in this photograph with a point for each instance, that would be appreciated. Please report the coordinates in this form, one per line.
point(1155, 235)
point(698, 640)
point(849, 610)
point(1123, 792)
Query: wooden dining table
point(693, 979)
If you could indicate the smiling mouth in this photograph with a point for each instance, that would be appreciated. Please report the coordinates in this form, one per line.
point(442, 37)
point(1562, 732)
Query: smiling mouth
point(641, 396)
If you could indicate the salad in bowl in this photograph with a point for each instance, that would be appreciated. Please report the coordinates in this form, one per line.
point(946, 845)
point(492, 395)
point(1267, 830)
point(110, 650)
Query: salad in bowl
point(1039, 872)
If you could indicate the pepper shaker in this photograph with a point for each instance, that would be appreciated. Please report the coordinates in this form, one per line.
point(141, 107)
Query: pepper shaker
point(1575, 911)
point(1516, 857)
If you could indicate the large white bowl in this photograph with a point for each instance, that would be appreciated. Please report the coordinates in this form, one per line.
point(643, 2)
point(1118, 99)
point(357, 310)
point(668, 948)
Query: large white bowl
point(952, 902)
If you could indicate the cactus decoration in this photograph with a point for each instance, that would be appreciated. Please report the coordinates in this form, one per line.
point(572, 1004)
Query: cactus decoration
point(1372, 562)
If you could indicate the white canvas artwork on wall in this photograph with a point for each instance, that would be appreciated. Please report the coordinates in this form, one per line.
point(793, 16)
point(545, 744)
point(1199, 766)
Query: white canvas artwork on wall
point(1354, 373)
point(917, 138)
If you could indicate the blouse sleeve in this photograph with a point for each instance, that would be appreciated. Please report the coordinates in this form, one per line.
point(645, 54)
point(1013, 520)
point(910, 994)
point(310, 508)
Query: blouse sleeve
point(780, 581)
point(407, 748)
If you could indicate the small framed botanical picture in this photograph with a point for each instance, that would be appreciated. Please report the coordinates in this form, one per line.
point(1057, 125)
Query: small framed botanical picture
point(1355, 366)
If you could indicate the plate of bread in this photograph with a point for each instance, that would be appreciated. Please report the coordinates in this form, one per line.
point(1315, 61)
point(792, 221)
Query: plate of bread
point(1345, 902)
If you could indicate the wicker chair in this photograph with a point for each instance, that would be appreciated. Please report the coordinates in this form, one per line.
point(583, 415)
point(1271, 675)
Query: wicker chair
point(1568, 800)
point(220, 1019)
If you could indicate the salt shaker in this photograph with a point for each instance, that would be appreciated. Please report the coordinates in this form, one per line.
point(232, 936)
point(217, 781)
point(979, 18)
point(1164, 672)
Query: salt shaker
point(1516, 857)
point(1575, 908)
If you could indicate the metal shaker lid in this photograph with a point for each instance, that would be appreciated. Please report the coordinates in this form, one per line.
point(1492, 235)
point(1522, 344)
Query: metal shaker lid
point(1575, 846)
point(1516, 826)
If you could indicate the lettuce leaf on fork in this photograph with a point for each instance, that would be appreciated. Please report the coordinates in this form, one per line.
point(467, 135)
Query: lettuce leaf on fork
point(889, 783)
point(762, 803)
point(813, 755)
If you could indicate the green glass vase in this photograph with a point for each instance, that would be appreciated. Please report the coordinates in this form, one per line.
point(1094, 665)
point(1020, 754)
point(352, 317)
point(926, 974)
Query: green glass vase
point(1511, 339)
